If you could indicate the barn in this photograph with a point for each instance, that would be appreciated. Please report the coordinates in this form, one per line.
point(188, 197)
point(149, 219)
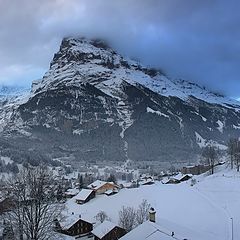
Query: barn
point(74, 226)
point(84, 196)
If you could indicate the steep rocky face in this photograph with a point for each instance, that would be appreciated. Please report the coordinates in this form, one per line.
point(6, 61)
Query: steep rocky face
point(95, 105)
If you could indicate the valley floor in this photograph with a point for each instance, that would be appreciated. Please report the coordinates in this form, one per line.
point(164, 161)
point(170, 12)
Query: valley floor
point(201, 212)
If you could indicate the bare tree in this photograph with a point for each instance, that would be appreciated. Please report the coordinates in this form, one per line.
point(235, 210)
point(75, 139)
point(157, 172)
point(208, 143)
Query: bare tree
point(142, 212)
point(102, 216)
point(234, 152)
point(210, 155)
point(231, 149)
point(127, 216)
point(35, 207)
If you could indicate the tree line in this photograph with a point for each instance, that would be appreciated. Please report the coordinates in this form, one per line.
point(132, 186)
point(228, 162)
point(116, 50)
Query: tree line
point(211, 154)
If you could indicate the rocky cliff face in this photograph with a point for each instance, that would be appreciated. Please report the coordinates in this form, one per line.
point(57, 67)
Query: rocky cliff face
point(94, 104)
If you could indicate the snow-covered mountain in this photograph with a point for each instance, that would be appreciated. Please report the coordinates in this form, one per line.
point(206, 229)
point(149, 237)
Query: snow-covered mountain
point(10, 92)
point(94, 104)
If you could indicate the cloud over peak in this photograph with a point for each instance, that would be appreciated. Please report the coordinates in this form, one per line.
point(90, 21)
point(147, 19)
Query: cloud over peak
point(192, 39)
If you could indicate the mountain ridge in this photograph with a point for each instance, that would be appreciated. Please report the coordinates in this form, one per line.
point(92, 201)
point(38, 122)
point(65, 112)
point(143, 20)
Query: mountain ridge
point(95, 105)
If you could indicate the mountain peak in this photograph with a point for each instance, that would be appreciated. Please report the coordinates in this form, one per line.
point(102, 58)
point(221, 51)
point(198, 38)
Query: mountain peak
point(93, 61)
point(97, 105)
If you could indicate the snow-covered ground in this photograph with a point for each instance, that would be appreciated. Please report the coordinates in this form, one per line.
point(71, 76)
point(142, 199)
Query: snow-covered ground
point(201, 212)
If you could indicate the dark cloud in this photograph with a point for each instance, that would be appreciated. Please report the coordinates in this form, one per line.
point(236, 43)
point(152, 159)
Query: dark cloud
point(192, 39)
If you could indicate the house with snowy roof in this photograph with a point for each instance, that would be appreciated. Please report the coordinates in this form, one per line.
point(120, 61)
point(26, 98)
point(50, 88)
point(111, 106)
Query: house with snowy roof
point(108, 231)
point(84, 196)
point(177, 178)
point(146, 181)
point(100, 187)
point(150, 230)
point(74, 225)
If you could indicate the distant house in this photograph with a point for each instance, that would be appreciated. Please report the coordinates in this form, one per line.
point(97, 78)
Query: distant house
point(171, 181)
point(71, 192)
point(100, 187)
point(195, 170)
point(178, 179)
point(84, 196)
point(108, 231)
point(186, 177)
point(74, 226)
point(146, 181)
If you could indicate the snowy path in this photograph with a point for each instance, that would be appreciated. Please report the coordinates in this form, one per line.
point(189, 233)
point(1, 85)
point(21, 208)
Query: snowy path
point(219, 208)
point(223, 190)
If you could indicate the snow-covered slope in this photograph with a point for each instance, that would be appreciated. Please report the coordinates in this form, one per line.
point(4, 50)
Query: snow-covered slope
point(199, 212)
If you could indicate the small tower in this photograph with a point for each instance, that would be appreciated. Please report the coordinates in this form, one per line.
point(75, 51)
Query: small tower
point(152, 215)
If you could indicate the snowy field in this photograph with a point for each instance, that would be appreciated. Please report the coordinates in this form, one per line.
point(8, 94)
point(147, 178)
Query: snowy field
point(201, 212)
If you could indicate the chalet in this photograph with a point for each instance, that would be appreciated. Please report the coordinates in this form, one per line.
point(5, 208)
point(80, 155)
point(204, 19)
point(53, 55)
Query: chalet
point(186, 177)
point(100, 187)
point(178, 179)
point(146, 181)
point(171, 181)
point(74, 226)
point(84, 196)
point(108, 231)
point(150, 230)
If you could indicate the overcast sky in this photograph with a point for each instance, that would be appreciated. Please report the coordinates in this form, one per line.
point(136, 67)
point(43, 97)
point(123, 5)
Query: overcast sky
point(198, 40)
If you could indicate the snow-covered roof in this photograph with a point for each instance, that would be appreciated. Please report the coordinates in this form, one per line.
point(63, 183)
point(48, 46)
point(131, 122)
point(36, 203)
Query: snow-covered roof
point(127, 184)
point(72, 191)
point(97, 184)
point(146, 181)
point(175, 205)
point(181, 176)
point(157, 235)
point(104, 228)
point(83, 194)
point(149, 231)
point(109, 192)
point(71, 219)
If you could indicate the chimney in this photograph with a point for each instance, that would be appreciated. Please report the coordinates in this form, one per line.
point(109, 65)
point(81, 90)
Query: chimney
point(152, 215)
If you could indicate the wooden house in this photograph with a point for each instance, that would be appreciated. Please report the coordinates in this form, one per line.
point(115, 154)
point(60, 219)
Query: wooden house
point(178, 179)
point(171, 181)
point(84, 196)
point(108, 231)
point(151, 230)
point(74, 226)
point(100, 187)
point(185, 177)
